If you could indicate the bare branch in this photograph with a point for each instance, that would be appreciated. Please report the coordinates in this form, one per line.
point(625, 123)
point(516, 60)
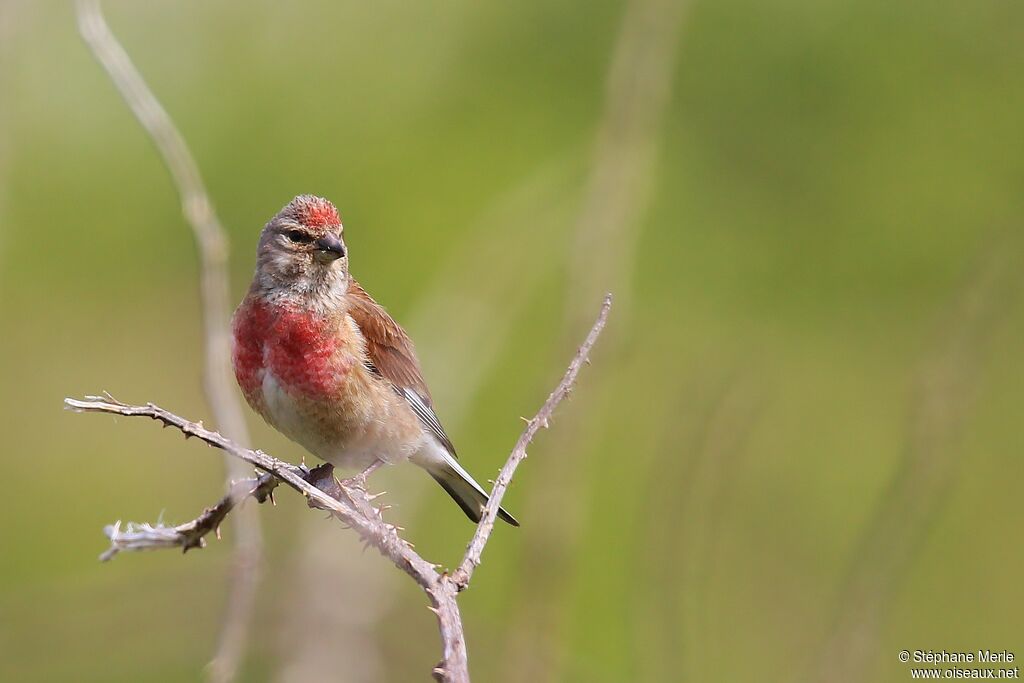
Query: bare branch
point(289, 474)
point(471, 560)
point(212, 245)
point(138, 537)
point(352, 507)
point(347, 502)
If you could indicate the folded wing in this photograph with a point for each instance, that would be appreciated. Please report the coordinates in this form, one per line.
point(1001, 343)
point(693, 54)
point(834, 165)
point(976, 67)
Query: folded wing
point(392, 357)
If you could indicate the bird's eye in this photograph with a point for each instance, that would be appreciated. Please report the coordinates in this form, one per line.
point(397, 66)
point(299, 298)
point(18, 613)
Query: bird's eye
point(299, 237)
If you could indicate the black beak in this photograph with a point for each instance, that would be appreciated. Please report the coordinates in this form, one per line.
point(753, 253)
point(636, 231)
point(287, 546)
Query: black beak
point(330, 247)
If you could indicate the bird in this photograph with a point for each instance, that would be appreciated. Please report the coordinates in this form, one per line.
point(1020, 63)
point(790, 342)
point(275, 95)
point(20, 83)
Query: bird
point(324, 364)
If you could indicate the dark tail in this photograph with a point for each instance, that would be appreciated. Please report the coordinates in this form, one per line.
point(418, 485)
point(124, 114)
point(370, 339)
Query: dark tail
point(464, 490)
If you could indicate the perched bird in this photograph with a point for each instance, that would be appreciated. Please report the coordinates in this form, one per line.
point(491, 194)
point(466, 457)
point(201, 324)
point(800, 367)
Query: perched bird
point(324, 364)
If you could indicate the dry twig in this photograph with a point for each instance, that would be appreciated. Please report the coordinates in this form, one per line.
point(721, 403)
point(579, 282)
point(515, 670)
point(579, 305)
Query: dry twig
point(354, 507)
point(542, 419)
point(137, 537)
point(212, 245)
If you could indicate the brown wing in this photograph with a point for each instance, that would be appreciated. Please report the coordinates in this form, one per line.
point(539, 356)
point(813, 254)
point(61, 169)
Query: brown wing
point(388, 346)
point(392, 357)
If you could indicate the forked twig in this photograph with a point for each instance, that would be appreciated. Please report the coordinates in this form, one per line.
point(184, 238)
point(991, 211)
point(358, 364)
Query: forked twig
point(137, 537)
point(354, 507)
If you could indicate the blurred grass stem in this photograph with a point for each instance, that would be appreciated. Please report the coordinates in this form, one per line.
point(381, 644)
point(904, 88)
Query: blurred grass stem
point(939, 407)
point(212, 245)
point(615, 200)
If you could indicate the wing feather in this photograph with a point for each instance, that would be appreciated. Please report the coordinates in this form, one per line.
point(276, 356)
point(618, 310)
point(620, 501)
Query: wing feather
point(390, 355)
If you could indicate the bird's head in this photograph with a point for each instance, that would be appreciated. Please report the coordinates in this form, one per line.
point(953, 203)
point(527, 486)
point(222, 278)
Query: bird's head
point(302, 250)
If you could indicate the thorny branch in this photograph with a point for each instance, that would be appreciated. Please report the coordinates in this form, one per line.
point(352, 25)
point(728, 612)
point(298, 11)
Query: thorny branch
point(542, 419)
point(212, 245)
point(136, 537)
point(350, 504)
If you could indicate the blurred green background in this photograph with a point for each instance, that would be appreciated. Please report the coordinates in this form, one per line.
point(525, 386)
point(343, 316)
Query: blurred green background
point(797, 452)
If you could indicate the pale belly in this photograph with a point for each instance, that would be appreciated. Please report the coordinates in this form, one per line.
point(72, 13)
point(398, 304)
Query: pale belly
point(365, 423)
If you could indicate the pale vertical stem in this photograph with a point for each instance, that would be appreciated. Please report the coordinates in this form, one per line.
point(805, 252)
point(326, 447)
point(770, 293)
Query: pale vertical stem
point(625, 156)
point(7, 14)
point(689, 482)
point(212, 247)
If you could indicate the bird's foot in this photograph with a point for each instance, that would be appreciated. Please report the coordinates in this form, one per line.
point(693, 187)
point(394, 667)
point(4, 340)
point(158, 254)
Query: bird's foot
point(358, 481)
point(322, 477)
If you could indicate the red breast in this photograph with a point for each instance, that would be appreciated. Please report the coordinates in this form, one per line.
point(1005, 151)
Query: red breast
point(304, 351)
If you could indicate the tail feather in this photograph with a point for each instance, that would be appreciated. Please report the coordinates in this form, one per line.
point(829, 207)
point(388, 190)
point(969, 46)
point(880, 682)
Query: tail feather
point(463, 489)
